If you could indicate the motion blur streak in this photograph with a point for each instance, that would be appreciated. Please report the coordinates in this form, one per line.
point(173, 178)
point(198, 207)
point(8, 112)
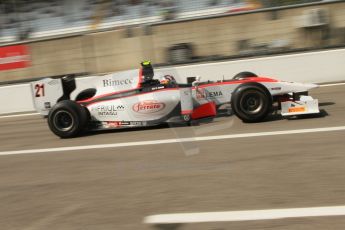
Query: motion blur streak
point(169, 141)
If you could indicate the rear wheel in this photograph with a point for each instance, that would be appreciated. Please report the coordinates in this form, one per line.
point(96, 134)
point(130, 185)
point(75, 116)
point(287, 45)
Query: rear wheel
point(251, 102)
point(67, 119)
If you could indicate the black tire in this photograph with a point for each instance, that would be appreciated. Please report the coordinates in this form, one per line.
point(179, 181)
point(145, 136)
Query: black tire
point(245, 74)
point(67, 119)
point(251, 102)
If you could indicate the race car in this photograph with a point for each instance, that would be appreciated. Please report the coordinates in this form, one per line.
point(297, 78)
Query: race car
point(139, 98)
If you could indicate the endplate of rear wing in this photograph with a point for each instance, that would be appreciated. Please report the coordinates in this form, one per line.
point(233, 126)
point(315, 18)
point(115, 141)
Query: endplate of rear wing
point(45, 94)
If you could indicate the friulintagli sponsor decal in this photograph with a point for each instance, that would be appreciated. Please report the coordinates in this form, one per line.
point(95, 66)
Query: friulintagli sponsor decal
point(149, 106)
point(108, 110)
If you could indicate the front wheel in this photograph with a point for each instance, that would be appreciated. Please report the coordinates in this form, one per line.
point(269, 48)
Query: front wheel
point(243, 75)
point(251, 102)
point(67, 119)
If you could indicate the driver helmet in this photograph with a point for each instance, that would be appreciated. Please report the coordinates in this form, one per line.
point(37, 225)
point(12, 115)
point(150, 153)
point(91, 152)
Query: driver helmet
point(168, 80)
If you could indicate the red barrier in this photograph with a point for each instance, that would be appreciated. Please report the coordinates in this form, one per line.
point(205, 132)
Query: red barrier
point(14, 57)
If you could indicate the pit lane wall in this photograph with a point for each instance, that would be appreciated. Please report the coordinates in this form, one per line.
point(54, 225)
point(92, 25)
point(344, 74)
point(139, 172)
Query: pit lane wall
point(315, 67)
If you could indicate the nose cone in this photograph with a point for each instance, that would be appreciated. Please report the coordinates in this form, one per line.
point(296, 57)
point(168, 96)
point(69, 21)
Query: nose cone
point(295, 87)
point(301, 87)
point(311, 86)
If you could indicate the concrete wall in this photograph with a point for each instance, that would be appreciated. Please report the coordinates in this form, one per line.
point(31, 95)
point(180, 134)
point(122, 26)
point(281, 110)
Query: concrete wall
point(115, 50)
point(220, 36)
point(325, 66)
point(48, 58)
point(313, 67)
point(111, 51)
point(16, 98)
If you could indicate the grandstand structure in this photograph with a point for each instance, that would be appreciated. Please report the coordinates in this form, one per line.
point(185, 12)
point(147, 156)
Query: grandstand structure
point(99, 40)
point(30, 19)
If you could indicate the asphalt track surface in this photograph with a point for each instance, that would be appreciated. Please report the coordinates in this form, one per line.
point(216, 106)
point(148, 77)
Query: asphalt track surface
point(115, 188)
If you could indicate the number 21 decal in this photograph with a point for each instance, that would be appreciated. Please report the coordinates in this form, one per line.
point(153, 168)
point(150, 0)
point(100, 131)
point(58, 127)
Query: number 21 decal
point(39, 90)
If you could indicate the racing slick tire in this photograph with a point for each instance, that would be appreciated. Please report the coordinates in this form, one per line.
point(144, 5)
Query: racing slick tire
point(67, 119)
point(245, 74)
point(251, 102)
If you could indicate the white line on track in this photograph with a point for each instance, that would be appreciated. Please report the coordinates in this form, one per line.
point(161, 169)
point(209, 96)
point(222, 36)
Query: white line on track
point(19, 115)
point(169, 141)
point(333, 84)
point(268, 214)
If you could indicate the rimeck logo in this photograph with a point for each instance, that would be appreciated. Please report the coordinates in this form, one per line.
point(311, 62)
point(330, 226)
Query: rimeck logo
point(112, 82)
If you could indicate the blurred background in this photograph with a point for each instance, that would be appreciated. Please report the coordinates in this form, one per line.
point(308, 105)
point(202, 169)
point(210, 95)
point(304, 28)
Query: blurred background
point(58, 37)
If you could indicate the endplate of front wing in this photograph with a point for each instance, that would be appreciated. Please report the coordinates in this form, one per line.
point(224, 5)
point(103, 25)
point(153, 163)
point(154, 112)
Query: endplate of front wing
point(305, 105)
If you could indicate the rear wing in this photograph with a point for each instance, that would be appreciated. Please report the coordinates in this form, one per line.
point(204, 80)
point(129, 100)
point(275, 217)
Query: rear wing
point(47, 92)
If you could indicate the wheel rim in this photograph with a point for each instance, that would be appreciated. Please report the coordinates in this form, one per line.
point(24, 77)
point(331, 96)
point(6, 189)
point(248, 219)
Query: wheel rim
point(63, 120)
point(251, 102)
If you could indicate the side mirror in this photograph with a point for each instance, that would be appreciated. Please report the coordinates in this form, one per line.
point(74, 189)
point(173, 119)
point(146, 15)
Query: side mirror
point(193, 80)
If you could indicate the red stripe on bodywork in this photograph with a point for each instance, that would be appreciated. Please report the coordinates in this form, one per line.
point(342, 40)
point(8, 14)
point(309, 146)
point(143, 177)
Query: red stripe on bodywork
point(250, 79)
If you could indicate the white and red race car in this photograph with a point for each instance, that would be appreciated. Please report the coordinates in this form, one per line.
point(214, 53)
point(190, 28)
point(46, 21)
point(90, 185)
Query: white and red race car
point(135, 99)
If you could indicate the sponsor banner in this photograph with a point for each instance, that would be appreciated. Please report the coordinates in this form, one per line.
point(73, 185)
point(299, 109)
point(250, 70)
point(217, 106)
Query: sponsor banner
point(118, 124)
point(14, 57)
point(108, 110)
point(297, 109)
point(114, 82)
point(202, 93)
point(148, 106)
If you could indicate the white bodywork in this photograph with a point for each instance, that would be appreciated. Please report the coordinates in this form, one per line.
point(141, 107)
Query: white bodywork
point(221, 92)
point(115, 82)
point(149, 106)
point(157, 104)
point(45, 94)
